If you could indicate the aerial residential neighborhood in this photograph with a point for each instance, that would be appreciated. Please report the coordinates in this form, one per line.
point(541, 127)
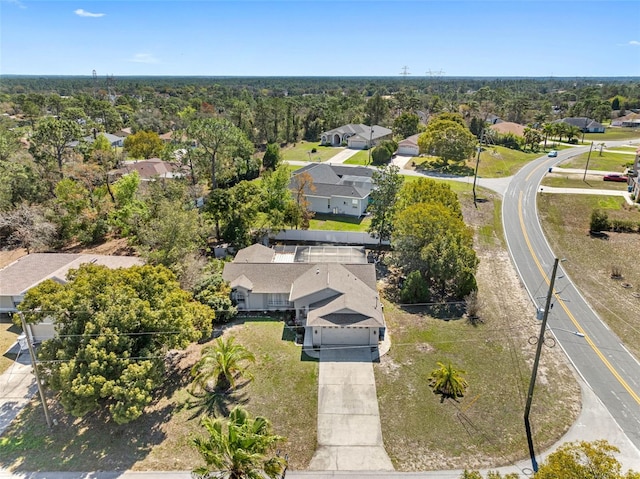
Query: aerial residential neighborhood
point(267, 239)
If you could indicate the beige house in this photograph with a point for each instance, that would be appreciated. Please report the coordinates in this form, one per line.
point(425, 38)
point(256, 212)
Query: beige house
point(29, 271)
point(337, 304)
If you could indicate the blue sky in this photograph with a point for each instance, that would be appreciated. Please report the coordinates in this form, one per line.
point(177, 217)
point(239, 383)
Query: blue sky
point(320, 38)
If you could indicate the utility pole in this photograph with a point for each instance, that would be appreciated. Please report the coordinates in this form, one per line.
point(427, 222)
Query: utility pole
point(587, 165)
point(370, 145)
point(475, 174)
point(32, 353)
point(534, 372)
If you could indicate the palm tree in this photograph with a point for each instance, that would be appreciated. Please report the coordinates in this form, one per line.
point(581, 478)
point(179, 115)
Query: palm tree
point(572, 132)
point(446, 380)
point(222, 362)
point(238, 447)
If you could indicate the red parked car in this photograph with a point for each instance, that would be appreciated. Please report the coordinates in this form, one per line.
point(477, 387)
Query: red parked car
point(618, 178)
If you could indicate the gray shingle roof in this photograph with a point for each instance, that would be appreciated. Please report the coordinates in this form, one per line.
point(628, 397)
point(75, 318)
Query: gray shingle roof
point(361, 130)
point(28, 271)
point(256, 253)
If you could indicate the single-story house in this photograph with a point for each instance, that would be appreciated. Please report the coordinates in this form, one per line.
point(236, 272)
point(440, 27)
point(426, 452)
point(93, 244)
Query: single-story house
point(586, 125)
point(114, 140)
point(409, 146)
point(150, 169)
point(337, 304)
point(356, 136)
point(505, 127)
point(337, 189)
point(632, 120)
point(29, 271)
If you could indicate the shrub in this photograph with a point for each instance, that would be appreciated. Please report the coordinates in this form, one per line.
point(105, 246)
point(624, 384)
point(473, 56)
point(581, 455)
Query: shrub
point(599, 221)
point(314, 150)
point(623, 226)
point(415, 289)
point(380, 155)
point(390, 145)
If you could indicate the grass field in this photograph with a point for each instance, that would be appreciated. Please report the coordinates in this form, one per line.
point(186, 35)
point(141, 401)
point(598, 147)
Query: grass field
point(8, 336)
point(562, 180)
point(302, 152)
point(360, 158)
point(565, 219)
point(498, 161)
point(339, 223)
point(607, 161)
point(630, 149)
point(613, 134)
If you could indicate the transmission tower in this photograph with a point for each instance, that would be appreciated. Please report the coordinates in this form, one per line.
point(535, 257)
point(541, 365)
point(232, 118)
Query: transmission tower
point(405, 71)
point(436, 73)
point(111, 81)
point(95, 83)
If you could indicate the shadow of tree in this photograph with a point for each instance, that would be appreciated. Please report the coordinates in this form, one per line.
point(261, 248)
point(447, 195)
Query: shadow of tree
point(216, 403)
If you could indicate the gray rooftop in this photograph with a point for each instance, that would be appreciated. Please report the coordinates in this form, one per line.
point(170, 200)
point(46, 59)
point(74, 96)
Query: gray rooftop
point(25, 273)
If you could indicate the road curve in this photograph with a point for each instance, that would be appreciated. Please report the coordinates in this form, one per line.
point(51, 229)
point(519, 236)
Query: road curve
point(599, 357)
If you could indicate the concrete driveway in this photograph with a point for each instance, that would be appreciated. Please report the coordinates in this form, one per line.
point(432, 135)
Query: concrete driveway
point(342, 156)
point(349, 431)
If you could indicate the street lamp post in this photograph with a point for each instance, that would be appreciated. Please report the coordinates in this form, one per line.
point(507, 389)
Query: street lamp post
point(534, 372)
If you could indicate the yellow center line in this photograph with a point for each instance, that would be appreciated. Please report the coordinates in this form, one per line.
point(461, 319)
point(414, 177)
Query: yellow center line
point(579, 328)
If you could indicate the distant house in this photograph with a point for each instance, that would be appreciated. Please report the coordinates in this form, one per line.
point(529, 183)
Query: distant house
point(114, 140)
point(337, 304)
point(409, 146)
point(29, 271)
point(506, 127)
point(586, 125)
point(150, 169)
point(124, 132)
point(492, 119)
point(337, 189)
point(632, 120)
point(356, 136)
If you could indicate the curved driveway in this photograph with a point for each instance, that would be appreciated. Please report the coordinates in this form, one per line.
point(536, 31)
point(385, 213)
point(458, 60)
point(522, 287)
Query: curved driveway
point(599, 357)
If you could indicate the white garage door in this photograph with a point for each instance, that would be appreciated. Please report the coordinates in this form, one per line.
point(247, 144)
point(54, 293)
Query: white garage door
point(356, 144)
point(351, 336)
point(408, 150)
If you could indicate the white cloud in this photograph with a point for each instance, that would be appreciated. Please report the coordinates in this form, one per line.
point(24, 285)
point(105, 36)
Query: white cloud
point(143, 58)
point(634, 43)
point(83, 13)
point(17, 3)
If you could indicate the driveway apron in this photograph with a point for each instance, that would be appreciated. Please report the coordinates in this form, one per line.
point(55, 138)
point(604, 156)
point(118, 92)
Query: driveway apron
point(349, 431)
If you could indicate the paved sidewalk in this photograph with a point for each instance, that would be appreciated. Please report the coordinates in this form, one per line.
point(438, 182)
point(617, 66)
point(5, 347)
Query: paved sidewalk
point(349, 430)
point(17, 386)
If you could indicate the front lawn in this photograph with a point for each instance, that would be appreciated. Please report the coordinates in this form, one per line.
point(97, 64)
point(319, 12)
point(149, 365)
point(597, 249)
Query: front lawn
point(360, 158)
point(607, 161)
point(284, 390)
point(339, 222)
point(498, 161)
point(302, 152)
point(613, 133)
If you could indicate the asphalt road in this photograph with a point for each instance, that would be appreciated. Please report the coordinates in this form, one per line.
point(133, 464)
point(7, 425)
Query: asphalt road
point(599, 357)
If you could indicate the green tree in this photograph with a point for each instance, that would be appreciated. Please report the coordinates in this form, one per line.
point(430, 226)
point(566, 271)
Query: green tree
point(447, 380)
point(51, 138)
point(113, 327)
point(215, 292)
point(387, 183)
point(143, 144)
point(532, 138)
point(276, 197)
point(271, 158)
point(584, 460)
point(9, 144)
point(221, 364)
point(219, 139)
point(447, 139)
point(380, 155)
point(406, 125)
point(376, 109)
point(239, 447)
point(173, 232)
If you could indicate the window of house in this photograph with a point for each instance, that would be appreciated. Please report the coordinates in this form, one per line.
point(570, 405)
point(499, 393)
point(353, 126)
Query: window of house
point(354, 203)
